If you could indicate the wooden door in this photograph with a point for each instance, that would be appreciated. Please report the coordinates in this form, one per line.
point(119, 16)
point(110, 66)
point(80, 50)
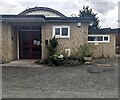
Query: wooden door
point(30, 44)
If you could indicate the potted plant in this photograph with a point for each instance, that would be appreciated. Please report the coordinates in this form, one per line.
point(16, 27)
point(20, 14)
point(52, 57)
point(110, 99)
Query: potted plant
point(58, 60)
point(87, 52)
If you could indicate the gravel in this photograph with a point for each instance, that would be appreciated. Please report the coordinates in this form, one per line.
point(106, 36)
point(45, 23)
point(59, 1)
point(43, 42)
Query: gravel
point(57, 82)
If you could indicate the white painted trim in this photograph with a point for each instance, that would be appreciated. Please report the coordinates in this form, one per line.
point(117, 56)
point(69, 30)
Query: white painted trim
point(18, 44)
point(60, 36)
point(100, 41)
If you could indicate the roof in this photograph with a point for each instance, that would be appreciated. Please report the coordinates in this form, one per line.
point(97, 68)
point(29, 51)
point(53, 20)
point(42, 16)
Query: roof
point(22, 16)
point(23, 19)
point(104, 31)
point(42, 8)
point(47, 19)
point(69, 19)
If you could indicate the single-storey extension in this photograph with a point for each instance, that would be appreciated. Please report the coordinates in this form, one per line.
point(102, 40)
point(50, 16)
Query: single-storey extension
point(25, 36)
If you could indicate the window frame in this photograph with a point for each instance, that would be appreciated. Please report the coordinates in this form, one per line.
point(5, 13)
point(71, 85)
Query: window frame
point(61, 36)
point(100, 41)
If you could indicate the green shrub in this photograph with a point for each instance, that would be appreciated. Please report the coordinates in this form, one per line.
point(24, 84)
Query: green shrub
point(53, 58)
point(86, 50)
point(52, 46)
point(58, 60)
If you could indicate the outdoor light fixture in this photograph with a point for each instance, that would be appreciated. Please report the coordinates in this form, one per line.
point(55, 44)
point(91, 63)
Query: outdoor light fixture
point(91, 23)
point(79, 24)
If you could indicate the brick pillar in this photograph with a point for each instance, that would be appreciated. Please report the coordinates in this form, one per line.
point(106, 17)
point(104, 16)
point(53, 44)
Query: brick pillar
point(6, 43)
point(43, 42)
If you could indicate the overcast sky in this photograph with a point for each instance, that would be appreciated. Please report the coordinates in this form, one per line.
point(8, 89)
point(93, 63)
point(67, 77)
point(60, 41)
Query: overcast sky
point(107, 10)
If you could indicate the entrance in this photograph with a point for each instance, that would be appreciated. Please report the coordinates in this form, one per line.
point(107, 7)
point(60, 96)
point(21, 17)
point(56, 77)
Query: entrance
point(30, 44)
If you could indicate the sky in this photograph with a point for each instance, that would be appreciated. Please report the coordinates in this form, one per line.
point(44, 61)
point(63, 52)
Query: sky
point(107, 10)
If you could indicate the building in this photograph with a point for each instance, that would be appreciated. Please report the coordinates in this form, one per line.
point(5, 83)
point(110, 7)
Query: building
point(106, 42)
point(26, 35)
point(117, 31)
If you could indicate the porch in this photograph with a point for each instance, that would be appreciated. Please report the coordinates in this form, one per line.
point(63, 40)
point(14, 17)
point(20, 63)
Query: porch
point(21, 37)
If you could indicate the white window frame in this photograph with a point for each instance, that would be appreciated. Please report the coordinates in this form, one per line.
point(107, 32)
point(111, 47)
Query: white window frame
point(100, 41)
point(61, 36)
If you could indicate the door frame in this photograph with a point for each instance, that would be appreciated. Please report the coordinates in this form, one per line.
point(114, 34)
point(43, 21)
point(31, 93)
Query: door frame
point(18, 42)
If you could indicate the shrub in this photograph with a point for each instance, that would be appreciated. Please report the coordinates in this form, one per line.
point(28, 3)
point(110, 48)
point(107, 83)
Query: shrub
point(52, 46)
point(86, 50)
point(53, 58)
point(58, 60)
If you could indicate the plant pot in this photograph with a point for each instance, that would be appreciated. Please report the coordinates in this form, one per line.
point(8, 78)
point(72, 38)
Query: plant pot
point(87, 58)
point(58, 62)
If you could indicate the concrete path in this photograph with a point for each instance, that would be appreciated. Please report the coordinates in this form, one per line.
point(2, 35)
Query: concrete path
point(22, 63)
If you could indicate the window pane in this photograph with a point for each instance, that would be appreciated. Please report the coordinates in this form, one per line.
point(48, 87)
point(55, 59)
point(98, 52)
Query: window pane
point(106, 38)
point(57, 31)
point(92, 38)
point(100, 38)
point(95, 38)
point(64, 31)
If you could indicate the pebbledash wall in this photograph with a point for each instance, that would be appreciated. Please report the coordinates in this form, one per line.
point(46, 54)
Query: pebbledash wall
point(9, 43)
point(105, 50)
point(78, 36)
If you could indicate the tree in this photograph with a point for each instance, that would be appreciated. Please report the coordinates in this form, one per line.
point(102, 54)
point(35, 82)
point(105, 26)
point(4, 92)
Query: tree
point(87, 12)
point(52, 46)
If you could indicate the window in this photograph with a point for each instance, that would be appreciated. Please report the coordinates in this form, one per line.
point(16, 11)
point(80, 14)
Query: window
point(105, 38)
point(98, 38)
point(64, 31)
point(57, 31)
point(61, 31)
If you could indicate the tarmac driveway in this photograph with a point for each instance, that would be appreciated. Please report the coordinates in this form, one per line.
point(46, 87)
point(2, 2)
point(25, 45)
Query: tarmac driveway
point(59, 82)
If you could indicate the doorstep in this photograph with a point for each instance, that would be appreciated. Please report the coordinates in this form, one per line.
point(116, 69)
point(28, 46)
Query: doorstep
point(22, 63)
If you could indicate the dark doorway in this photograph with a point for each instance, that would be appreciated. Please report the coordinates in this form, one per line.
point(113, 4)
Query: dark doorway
point(30, 44)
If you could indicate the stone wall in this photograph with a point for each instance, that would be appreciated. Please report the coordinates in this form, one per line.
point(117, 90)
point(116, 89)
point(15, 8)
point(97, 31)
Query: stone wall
point(78, 36)
point(106, 50)
point(9, 48)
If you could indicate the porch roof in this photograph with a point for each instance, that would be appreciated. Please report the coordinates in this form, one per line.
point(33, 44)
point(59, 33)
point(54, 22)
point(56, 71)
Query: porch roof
point(16, 19)
point(43, 19)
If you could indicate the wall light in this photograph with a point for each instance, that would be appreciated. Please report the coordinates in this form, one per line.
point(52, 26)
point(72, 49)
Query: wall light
point(91, 23)
point(79, 24)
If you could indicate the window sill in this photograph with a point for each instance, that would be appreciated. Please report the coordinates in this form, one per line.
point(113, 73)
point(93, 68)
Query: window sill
point(62, 37)
point(98, 41)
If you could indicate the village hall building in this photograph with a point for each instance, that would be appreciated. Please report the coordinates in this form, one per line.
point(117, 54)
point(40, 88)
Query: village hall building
point(25, 36)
